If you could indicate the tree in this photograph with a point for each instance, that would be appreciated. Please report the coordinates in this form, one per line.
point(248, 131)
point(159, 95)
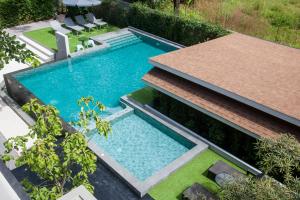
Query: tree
point(280, 157)
point(60, 159)
point(10, 49)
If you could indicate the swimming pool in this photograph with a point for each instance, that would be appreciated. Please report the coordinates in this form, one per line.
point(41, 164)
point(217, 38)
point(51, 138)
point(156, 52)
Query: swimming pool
point(142, 145)
point(106, 75)
point(142, 150)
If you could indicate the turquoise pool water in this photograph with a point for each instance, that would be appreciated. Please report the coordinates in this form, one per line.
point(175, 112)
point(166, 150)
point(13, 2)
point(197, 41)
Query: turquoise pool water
point(105, 75)
point(142, 145)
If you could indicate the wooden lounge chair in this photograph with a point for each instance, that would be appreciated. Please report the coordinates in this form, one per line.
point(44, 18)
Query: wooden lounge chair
point(71, 25)
point(57, 27)
point(81, 21)
point(197, 192)
point(92, 19)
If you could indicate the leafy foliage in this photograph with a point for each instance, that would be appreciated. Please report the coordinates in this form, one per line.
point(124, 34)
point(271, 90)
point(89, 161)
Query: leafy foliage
point(280, 158)
point(215, 131)
point(15, 12)
point(61, 160)
point(88, 114)
point(182, 30)
point(250, 188)
point(10, 49)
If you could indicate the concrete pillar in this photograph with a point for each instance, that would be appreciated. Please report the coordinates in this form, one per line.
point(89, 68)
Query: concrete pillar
point(62, 42)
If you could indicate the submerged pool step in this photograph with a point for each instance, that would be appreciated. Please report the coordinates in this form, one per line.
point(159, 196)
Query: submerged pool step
point(120, 115)
point(123, 40)
point(126, 39)
point(126, 35)
point(128, 42)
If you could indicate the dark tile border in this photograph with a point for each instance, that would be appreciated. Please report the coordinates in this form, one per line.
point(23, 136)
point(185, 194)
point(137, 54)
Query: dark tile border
point(22, 95)
point(13, 182)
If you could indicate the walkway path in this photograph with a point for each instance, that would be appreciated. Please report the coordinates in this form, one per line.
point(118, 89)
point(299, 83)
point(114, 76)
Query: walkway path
point(19, 30)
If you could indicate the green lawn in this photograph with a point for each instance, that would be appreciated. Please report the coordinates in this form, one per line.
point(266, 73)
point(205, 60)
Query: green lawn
point(194, 171)
point(46, 37)
point(143, 96)
point(259, 18)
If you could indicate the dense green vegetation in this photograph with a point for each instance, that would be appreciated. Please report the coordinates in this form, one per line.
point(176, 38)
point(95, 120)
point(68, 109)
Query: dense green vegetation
point(10, 49)
point(143, 96)
point(209, 128)
point(15, 12)
point(280, 159)
point(278, 20)
point(61, 160)
point(179, 29)
point(46, 36)
point(192, 172)
point(251, 188)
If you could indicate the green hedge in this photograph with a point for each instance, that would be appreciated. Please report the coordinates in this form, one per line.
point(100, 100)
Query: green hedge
point(15, 12)
point(237, 143)
point(169, 26)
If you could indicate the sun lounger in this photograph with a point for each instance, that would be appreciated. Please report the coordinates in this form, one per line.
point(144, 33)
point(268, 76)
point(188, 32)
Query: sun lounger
point(91, 18)
point(81, 21)
point(71, 25)
point(57, 27)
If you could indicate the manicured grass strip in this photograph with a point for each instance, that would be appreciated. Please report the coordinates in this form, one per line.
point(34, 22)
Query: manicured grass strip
point(193, 171)
point(46, 37)
point(143, 96)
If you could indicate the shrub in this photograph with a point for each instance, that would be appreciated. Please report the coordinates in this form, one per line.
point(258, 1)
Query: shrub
point(213, 130)
point(182, 30)
point(251, 188)
point(280, 157)
point(15, 12)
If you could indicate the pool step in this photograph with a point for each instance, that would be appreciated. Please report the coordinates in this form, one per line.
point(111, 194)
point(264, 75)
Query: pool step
point(122, 37)
point(124, 43)
point(37, 46)
point(41, 56)
point(120, 115)
point(120, 41)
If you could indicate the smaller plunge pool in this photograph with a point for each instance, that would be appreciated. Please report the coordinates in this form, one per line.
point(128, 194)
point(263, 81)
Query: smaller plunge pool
point(142, 145)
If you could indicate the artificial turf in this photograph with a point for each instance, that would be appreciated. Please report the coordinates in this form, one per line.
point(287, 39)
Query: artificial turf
point(46, 37)
point(194, 171)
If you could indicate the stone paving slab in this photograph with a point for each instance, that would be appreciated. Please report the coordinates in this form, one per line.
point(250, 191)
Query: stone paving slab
point(19, 30)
